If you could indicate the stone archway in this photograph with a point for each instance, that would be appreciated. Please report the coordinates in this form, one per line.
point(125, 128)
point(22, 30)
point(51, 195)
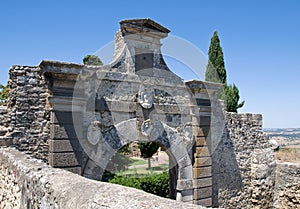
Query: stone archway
point(110, 142)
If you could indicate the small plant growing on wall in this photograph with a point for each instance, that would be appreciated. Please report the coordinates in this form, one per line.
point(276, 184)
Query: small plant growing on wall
point(92, 60)
point(4, 91)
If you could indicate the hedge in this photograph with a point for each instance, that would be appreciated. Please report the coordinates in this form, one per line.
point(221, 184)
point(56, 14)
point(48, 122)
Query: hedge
point(157, 184)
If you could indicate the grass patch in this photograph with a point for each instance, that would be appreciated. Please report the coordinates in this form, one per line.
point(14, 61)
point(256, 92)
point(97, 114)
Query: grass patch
point(161, 167)
point(143, 170)
point(288, 154)
point(136, 161)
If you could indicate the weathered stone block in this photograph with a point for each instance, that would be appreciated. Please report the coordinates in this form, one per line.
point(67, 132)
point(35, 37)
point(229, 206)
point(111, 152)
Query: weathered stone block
point(185, 184)
point(64, 159)
point(203, 132)
point(205, 121)
point(202, 152)
point(187, 195)
point(64, 145)
point(203, 182)
point(65, 117)
point(201, 141)
point(202, 193)
point(185, 161)
point(206, 202)
point(66, 132)
point(202, 172)
point(202, 161)
point(185, 173)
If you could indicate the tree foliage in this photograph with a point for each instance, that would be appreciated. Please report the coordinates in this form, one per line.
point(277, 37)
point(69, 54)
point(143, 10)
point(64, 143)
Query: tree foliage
point(232, 97)
point(215, 69)
point(147, 150)
point(4, 91)
point(216, 72)
point(92, 60)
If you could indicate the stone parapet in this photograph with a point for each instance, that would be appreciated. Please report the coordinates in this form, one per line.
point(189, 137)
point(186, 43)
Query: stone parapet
point(30, 183)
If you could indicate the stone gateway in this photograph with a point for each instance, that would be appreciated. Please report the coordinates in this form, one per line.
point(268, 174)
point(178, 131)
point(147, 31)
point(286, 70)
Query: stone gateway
point(76, 117)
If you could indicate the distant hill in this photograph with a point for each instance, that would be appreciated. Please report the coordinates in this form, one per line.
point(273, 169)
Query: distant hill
point(288, 134)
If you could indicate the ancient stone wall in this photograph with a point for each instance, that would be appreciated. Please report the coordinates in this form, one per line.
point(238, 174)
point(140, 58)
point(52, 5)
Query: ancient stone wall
point(5, 140)
point(243, 164)
point(27, 111)
point(287, 186)
point(29, 183)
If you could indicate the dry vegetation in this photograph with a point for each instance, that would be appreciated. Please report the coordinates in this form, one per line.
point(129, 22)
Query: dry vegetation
point(288, 154)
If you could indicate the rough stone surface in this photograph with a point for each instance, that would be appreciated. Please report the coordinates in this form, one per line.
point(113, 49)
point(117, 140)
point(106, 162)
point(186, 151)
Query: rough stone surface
point(287, 186)
point(243, 164)
point(5, 128)
point(30, 183)
point(27, 111)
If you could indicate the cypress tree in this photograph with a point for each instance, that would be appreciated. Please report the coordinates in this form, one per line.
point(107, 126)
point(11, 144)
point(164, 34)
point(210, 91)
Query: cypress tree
point(216, 72)
point(215, 69)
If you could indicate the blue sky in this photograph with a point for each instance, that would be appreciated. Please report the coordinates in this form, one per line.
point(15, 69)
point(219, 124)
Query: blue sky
point(260, 41)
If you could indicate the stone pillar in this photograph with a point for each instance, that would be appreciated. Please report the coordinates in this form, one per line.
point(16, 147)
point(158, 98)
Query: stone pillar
point(202, 123)
point(203, 165)
point(65, 150)
point(64, 147)
point(66, 129)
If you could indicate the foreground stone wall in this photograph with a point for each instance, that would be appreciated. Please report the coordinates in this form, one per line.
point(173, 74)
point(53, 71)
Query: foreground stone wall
point(29, 183)
point(287, 187)
point(5, 140)
point(243, 166)
point(27, 112)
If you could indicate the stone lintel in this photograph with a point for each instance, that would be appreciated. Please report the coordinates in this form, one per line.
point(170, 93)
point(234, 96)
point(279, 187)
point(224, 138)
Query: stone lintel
point(57, 67)
point(143, 25)
point(64, 103)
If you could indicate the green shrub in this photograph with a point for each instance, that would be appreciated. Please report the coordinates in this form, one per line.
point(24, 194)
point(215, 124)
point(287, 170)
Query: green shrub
point(126, 181)
point(157, 184)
